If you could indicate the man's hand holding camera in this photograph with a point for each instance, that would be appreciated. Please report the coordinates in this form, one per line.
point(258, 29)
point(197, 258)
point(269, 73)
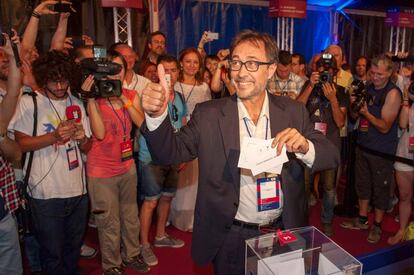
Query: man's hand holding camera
point(329, 90)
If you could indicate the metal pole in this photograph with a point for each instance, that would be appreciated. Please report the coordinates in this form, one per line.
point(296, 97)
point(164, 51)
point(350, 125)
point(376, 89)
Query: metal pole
point(403, 40)
point(283, 33)
point(129, 32)
point(292, 27)
point(278, 32)
point(391, 39)
point(397, 41)
point(115, 14)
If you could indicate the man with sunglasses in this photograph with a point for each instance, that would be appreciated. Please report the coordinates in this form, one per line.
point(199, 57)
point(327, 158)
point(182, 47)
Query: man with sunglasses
point(228, 210)
point(158, 183)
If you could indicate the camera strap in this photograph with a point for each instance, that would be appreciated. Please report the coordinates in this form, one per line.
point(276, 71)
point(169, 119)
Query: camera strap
point(34, 133)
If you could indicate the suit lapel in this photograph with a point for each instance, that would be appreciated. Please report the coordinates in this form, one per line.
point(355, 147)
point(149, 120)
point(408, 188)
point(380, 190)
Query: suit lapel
point(230, 133)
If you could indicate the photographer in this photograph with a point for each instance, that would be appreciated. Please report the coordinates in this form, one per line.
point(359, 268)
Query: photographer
point(112, 175)
point(284, 82)
point(377, 143)
point(56, 184)
point(326, 103)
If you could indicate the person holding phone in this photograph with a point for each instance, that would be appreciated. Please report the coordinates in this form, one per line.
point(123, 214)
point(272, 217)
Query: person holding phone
point(56, 184)
point(112, 175)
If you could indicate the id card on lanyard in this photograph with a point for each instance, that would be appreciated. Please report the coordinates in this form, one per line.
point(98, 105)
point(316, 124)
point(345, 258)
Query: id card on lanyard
point(268, 193)
point(125, 146)
point(72, 156)
point(363, 125)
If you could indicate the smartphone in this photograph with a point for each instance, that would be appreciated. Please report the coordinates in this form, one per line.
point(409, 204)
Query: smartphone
point(99, 52)
point(213, 35)
point(62, 7)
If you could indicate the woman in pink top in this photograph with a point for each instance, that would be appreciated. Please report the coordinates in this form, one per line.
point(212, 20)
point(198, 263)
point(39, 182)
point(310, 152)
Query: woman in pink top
point(112, 178)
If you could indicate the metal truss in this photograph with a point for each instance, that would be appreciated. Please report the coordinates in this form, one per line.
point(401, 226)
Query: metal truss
point(122, 25)
point(397, 40)
point(284, 36)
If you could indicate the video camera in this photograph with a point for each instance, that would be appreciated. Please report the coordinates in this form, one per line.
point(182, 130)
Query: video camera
point(327, 62)
point(359, 90)
point(100, 68)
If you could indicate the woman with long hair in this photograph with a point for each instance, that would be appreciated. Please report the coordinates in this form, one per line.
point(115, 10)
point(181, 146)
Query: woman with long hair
point(193, 90)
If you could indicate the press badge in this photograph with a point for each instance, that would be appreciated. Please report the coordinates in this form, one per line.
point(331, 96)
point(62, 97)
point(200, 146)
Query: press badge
point(363, 125)
point(268, 193)
point(321, 127)
point(72, 156)
point(126, 150)
point(411, 144)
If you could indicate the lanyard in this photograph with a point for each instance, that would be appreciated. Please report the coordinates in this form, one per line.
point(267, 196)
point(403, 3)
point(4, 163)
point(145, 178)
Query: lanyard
point(189, 95)
point(123, 123)
point(247, 127)
point(53, 106)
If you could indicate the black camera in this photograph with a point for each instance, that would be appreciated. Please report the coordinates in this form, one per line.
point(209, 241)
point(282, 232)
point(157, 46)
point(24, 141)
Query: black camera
point(327, 62)
point(100, 68)
point(359, 90)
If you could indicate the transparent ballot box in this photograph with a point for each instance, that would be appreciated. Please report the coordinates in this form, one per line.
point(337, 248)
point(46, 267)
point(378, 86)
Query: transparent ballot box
point(298, 252)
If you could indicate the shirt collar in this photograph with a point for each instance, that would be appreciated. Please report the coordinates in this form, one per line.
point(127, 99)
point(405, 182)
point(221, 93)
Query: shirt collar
point(263, 113)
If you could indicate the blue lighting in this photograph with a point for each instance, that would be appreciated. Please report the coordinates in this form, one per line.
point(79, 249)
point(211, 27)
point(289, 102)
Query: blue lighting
point(344, 5)
point(325, 3)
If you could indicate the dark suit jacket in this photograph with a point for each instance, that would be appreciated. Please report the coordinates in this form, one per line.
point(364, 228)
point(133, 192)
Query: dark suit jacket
point(212, 135)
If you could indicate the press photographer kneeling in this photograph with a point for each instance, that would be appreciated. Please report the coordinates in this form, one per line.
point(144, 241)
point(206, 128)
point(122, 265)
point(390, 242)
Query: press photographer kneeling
point(327, 104)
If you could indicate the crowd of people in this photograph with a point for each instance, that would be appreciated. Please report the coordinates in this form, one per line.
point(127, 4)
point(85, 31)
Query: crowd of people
point(169, 147)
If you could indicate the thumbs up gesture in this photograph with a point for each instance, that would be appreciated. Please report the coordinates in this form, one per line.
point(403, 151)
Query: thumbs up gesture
point(155, 96)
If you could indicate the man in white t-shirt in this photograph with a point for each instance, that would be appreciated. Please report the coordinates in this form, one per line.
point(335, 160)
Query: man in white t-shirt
point(56, 183)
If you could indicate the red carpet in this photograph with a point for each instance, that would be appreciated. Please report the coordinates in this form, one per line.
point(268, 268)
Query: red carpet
point(178, 261)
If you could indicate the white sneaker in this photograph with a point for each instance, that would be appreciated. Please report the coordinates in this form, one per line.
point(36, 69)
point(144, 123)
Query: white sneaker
point(88, 252)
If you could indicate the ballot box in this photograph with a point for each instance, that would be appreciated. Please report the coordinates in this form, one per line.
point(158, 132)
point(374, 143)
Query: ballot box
point(298, 252)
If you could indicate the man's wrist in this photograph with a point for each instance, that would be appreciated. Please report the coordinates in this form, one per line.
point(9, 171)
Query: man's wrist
point(36, 14)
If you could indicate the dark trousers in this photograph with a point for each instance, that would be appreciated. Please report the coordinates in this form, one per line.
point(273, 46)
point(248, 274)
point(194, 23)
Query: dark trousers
point(59, 228)
point(230, 259)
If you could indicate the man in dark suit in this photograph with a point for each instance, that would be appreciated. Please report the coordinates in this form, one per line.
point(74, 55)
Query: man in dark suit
point(227, 208)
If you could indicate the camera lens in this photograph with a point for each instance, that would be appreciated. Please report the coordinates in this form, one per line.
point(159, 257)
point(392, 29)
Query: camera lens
point(411, 89)
point(108, 86)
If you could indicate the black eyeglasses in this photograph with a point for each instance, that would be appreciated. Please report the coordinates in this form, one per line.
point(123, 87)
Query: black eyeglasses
point(174, 113)
point(251, 65)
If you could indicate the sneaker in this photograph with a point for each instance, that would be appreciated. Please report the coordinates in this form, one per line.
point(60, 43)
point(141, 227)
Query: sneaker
point(355, 224)
point(168, 241)
point(88, 252)
point(148, 255)
point(374, 234)
point(327, 229)
point(114, 271)
point(137, 264)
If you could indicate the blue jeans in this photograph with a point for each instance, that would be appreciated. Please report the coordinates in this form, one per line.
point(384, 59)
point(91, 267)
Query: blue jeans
point(32, 251)
point(11, 260)
point(59, 228)
point(328, 180)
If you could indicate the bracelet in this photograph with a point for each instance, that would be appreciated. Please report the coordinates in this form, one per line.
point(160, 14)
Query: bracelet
point(128, 104)
point(35, 14)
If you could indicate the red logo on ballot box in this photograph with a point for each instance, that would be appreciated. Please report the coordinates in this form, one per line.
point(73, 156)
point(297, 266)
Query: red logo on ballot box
point(286, 237)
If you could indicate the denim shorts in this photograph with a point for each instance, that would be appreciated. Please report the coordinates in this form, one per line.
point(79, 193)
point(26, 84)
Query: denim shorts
point(157, 180)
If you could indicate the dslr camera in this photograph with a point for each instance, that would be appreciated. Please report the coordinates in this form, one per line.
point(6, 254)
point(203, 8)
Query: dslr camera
point(359, 90)
point(100, 68)
point(327, 62)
